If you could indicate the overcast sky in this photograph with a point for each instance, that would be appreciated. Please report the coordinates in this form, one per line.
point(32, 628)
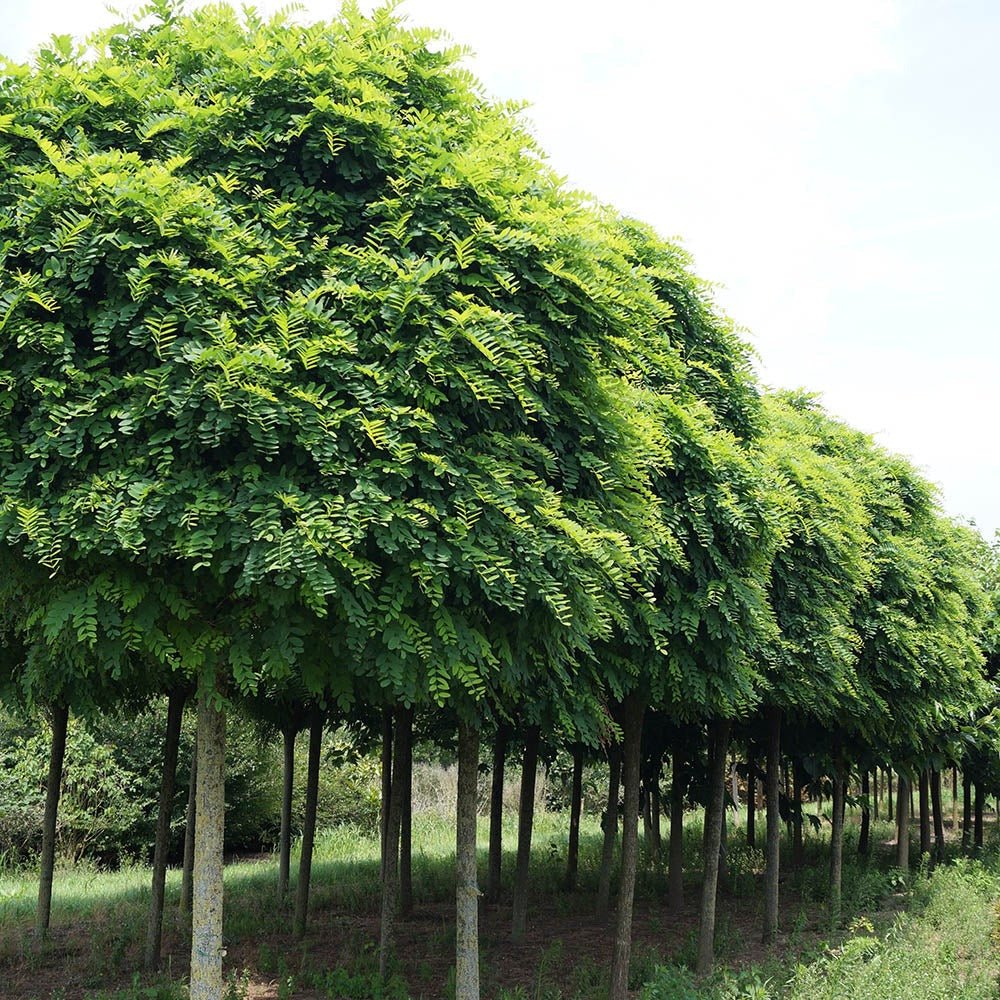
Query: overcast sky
point(834, 167)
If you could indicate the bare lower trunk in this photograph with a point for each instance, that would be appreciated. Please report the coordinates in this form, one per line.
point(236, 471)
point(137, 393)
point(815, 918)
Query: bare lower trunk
point(751, 798)
point(390, 878)
point(714, 819)
point(308, 823)
point(837, 837)
point(647, 817)
point(610, 833)
point(675, 874)
point(655, 810)
point(53, 784)
point(795, 810)
point(404, 764)
point(772, 870)
point(386, 776)
point(888, 785)
point(954, 800)
point(525, 823)
point(632, 712)
point(206, 903)
point(154, 929)
point(923, 799)
point(287, 788)
point(902, 824)
point(876, 791)
point(966, 811)
point(864, 837)
point(977, 806)
point(467, 891)
point(187, 866)
point(938, 815)
point(495, 869)
point(576, 801)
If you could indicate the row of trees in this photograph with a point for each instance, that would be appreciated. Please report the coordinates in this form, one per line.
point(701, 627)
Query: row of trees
point(322, 393)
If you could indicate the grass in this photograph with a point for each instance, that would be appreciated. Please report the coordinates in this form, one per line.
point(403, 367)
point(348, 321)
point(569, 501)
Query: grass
point(929, 937)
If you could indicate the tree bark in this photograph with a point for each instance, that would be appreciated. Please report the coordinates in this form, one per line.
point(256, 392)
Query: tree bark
point(967, 824)
point(610, 833)
point(772, 870)
point(575, 806)
point(837, 835)
point(386, 775)
point(864, 837)
point(938, 815)
point(751, 797)
point(467, 891)
point(632, 714)
point(187, 866)
point(647, 817)
point(875, 794)
point(923, 799)
point(902, 824)
point(795, 811)
point(53, 785)
point(154, 929)
point(287, 788)
point(404, 764)
point(675, 875)
point(977, 806)
point(888, 785)
point(206, 903)
point(714, 820)
point(954, 800)
point(655, 810)
point(308, 822)
point(495, 869)
point(525, 823)
point(390, 877)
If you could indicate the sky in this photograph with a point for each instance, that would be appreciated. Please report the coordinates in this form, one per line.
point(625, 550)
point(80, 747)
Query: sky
point(832, 167)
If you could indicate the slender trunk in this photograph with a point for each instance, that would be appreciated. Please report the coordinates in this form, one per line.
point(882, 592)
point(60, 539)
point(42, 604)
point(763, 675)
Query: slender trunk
point(751, 798)
point(60, 720)
point(954, 799)
point(308, 822)
point(386, 768)
point(610, 833)
point(404, 764)
point(795, 811)
point(864, 837)
point(647, 817)
point(206, 902)
point(390, 876)
point(909, 788)
point(467, 890)
point(655, 810)
point(495, 868)
point(632, 713)
point(525, 824)
point(154, 929)
point(923, 799)
point(875, 794)
point(938, 815)
point(772, 869)
point(735, 792)
point(837, 835)
point(675, 875)
point(714, 819)
point(187, 866)
point(287, 787)
point(978, 807)
point(966, 811)
point(888, 785)
point(902, 824)
point(575, 806)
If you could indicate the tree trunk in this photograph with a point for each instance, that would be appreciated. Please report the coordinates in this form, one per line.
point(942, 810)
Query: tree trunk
point(967, 823)
point(978, 807)
point(390, 877)
point(923, 799)
point(404, 764)
point(287, 788)
point(647, 817)
point(772, 869)
point(902, 824)
point(864, 837)
point(495, 869)
point(876, 787)
point(714, 819)
point(938, 815)
point(954, 800)
point(206, 902)
point(386, 768)
point(655, 810)
point(837, 835)
point(734, 780)
point(309, 822)
point(610, 833)
point(675, 875)
point(795, 811)
point(751, 798)
point(888, 785)
point(632, 713)
point(60, 721)
point(187, 866)
point(525, 823)
point(467, 890)
point(154, 929)
point(575, 806)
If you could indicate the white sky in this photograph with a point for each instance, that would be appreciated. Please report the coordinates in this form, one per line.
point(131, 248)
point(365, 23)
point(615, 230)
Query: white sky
point(833, 166)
